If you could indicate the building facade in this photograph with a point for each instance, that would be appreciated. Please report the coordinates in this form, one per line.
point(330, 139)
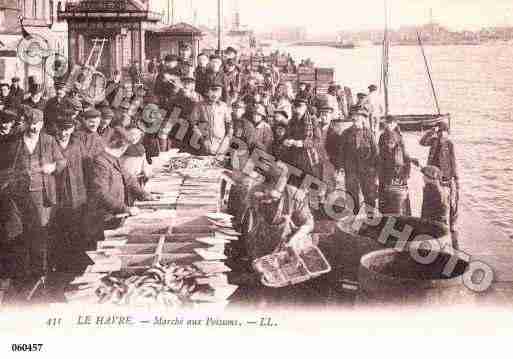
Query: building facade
point(124, 24)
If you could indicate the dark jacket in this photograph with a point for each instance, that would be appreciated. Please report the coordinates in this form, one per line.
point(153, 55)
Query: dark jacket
point(441, 155)
point(201, 80)
point(48, 152)
point(357, 152)
point(93, 145)
point(216, 78)
point(17, 93)
point(71, 188)
point(394, 162)
point(110, 189)
point(161, 88)
point(53, 107)
point(41, 105)
point(232, 83)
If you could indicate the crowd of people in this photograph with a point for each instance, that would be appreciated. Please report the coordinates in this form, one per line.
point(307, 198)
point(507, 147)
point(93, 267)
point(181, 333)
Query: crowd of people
point(70, 167)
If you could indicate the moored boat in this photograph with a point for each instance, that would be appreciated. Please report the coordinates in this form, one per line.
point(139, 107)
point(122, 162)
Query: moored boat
point(420, 122)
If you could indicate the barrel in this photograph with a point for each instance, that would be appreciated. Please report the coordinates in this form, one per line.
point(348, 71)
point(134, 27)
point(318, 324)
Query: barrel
point(344, 250)
point(391, 278)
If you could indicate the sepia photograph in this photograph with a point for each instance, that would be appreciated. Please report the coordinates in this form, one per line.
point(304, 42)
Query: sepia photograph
point(249, 166)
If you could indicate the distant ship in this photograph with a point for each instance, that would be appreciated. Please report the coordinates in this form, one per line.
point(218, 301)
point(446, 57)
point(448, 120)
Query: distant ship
point(335, 44)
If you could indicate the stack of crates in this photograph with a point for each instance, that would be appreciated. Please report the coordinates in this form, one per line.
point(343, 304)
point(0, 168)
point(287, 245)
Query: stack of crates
point(306, 75)
point(324, 77)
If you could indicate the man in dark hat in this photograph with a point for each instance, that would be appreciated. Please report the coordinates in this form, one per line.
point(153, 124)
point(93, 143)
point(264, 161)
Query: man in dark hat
point(302, 92)
point(169, 67)
point(212, 123)
point(232, 81)
point(5, 98)
point(8, 120)
point(70, 233)
point(54, 106)
point(88, 134)
point(185, 60)
point(200, 74)
point(326, 143)
point(357, 156)
point(280, 134)
point(36, 97)
point(16, 92)
point(303, 141)
point(216, 74)
point(35, 158)
point(124, 115)
point(231, 54)
point(263, 132)
point(442, 155)
point(394, 171)
point(243, 128)
point(111, 187)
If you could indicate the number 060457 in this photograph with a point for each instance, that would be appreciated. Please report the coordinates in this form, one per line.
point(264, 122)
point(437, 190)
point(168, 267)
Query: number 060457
point(26, 347)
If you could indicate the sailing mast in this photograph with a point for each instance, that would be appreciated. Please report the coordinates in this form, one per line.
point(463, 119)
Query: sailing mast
point(428, 73)
point(386, 46)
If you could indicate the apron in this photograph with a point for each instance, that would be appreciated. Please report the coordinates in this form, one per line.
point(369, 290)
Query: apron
point(267, 236)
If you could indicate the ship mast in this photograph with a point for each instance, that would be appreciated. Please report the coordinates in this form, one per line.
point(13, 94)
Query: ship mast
point(386, 47)
point(219, 25)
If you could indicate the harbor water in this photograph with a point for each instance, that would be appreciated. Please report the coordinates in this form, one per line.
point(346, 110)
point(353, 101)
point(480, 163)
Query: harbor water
point(474, 84)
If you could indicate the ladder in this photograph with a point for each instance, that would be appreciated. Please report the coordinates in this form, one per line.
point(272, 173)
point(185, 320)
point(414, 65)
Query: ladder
point(98, 46)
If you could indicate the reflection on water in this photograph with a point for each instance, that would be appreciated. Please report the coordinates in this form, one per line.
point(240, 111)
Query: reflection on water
point(474, 84)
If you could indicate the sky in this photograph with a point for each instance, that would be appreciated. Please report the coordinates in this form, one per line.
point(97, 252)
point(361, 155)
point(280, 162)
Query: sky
point(323, 16)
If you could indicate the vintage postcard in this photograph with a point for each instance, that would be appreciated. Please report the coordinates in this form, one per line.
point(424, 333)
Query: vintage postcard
point(176, 169)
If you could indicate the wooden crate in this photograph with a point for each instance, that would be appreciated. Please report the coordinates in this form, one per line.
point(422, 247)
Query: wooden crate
point(324, 75)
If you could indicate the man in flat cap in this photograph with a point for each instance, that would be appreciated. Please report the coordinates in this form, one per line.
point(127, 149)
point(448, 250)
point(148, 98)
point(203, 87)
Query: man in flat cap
point(201, 74)
point(69, 244)
point(54, 106)
point(303, 141)
point(230, 53)
point(124, 115)
point(215, 74)
point(442, 155)
point(89, 137)
point(184, 60)
point(111, 187)
point(212, 123)
point(36, 159)
point(169, 67)
point(16, 90)
point(36, 99)
point(357, 157)
point(8, 118)
point(5, 98)
point(232, 79)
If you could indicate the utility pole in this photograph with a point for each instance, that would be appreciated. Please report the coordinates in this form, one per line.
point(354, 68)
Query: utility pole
point(172, 12)
point(168, 17)
point(219, 29)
